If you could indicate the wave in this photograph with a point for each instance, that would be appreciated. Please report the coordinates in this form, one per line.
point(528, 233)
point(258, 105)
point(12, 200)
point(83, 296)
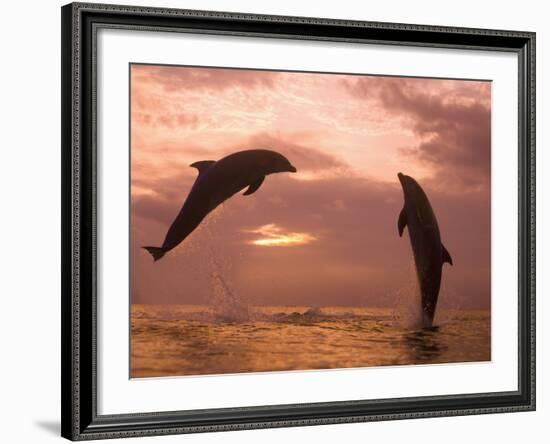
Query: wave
point(208, 314)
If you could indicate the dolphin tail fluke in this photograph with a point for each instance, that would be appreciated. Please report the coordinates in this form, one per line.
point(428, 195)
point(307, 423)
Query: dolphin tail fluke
point(156, 252)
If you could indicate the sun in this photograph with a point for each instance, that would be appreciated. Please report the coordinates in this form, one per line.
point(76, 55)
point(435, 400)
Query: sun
point(274, 236)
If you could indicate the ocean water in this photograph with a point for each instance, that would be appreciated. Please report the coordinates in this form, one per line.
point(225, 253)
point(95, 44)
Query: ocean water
point(179, 340)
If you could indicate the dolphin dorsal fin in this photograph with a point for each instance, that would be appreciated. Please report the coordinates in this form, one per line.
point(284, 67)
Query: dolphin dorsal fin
point(254, 186)
point(445, 255)
point(402, 221)
point(203, 165)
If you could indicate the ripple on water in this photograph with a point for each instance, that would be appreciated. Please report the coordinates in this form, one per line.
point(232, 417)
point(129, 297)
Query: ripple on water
point(191, 340)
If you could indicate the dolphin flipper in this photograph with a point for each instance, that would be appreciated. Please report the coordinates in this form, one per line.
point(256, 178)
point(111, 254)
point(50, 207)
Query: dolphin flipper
point(203, 165)
point(446, 256)
point(402, 221)
point(254, 186)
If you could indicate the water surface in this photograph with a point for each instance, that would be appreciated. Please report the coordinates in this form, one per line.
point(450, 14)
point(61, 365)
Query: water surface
point(178, 340)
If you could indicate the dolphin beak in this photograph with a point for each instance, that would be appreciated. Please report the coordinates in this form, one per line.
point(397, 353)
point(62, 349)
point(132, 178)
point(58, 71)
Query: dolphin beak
point(292, 169)
point(400, 177)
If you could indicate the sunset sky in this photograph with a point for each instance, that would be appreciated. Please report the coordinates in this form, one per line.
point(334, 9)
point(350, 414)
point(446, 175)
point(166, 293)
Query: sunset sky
point(326, 235)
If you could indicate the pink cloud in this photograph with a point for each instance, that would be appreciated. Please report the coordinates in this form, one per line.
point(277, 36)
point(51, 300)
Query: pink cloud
point(348, 136)
point(174, 78)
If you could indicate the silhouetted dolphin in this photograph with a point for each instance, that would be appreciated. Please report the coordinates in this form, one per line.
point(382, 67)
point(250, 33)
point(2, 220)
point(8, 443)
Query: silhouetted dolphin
point(429, 252)
point(217, 182)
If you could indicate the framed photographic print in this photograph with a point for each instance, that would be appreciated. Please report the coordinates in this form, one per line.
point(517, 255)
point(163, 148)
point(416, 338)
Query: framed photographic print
point(281, 221)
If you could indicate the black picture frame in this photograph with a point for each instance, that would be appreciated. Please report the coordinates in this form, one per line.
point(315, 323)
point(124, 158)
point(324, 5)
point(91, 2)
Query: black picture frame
point(78, 333)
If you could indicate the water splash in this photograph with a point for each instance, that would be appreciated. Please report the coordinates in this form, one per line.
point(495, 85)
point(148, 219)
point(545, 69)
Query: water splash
point(226, 305)
point(314, 310)
point(408, 309)
point(449, 306)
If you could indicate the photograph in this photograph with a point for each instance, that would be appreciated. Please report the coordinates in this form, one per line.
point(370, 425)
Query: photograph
point(295, 220)
point(271, 219)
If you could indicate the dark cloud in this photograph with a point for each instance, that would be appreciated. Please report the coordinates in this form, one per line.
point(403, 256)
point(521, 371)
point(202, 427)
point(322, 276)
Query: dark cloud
point(167, 187)
point(304, 157)
point(167, 197)
point(454, 128)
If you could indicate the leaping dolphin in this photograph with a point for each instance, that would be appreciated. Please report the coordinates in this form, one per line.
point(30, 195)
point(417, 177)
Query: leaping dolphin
point(429, 253)
point(218, 181)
